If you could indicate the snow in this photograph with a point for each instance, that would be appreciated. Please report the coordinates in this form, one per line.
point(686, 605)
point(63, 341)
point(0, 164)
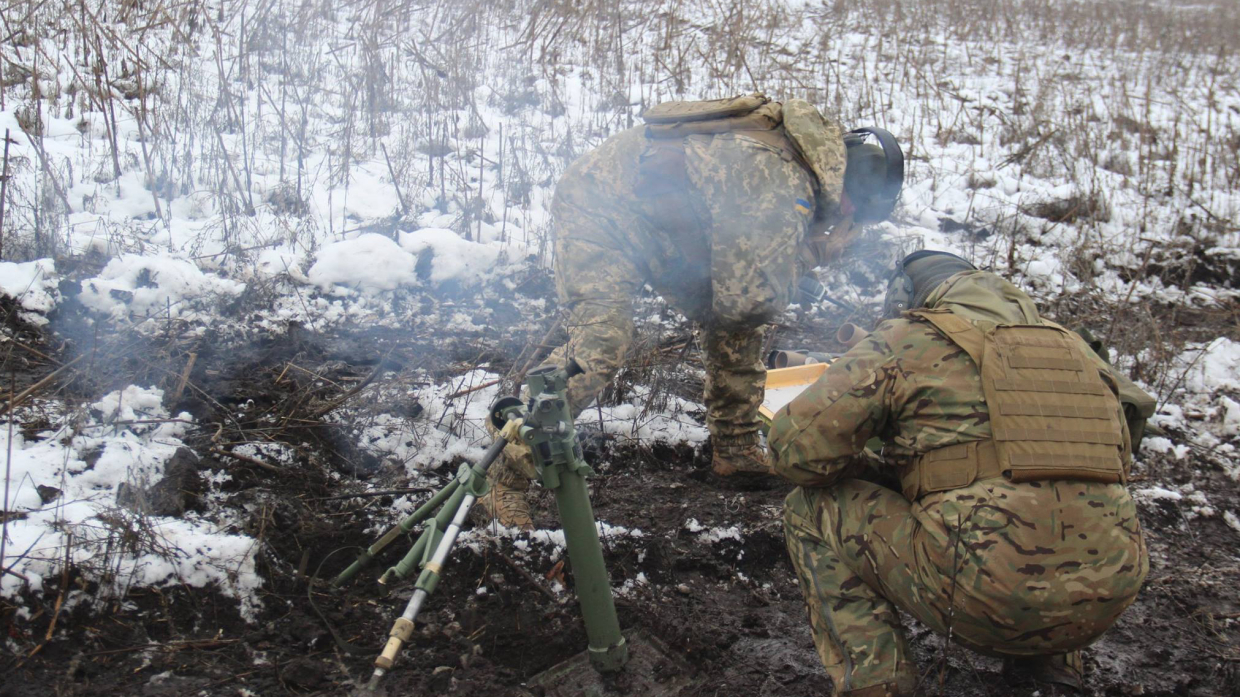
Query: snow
point(453, 258)
point(370, 261)
point(33, 285)
point(63, 486)
point(1157, 493)
point(1212, 367)
point(713, 535)
point(1232, 521)
point(136, 286)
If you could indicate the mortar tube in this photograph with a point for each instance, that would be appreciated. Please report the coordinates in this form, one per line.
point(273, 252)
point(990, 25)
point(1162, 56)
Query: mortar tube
point(850, 334)
point(787, 359)
point(607, 649)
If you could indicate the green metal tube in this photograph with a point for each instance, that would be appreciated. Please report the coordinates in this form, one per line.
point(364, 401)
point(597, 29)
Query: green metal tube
point(401, 528)
point(607, 649)
point(404, 568)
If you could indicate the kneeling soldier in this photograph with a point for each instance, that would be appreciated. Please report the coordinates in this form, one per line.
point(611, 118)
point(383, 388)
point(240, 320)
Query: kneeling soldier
point(1013, 534)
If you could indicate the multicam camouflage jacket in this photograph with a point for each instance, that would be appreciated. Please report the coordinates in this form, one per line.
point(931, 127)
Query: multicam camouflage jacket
point(905, 384)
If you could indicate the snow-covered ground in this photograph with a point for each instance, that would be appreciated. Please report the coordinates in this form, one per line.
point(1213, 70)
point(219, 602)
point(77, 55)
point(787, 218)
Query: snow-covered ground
point(338, 159)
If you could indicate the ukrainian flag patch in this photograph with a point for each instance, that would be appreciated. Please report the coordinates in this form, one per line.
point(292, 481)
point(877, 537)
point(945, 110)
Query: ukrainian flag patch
point(803, 207)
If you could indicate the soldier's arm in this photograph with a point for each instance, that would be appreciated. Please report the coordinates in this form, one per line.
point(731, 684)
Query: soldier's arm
point(816, 438)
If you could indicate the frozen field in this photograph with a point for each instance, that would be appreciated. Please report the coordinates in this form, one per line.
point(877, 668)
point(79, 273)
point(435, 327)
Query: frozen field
point(260, 254)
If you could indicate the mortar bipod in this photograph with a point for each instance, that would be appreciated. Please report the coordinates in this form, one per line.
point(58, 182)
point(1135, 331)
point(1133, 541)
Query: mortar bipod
point(546, 426)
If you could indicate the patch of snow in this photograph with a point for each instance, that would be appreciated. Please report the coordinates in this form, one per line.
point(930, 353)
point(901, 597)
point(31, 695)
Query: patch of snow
point(1158, 444)
point(1212, 367)
point(370, 261)
point(33, 285)
point(452, 258)
point(64, 486)
point(139, 286)
point(712, 535)
point(1231, 416)
point(1157, 493)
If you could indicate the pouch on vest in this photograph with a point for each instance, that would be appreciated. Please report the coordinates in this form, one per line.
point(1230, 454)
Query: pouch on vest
point(1052, 416)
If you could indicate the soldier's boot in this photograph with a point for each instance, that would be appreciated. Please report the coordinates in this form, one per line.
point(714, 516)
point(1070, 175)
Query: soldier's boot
point(742, 465)
point(507, 502)
point(1061, 669)
point(905, 685)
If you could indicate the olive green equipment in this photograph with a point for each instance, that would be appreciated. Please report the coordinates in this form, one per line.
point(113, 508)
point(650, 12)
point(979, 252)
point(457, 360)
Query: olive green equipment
point(547, 428)
point(545, 424)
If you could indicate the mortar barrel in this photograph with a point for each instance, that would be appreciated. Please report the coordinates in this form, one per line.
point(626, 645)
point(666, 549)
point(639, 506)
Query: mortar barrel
point(607, 649)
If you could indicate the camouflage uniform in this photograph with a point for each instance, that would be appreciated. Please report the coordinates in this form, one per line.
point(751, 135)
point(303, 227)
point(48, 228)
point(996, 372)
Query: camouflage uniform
point(1002, 568)
point(721, 245)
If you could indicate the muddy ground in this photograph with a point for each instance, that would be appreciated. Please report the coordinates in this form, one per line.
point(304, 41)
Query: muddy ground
point(730, 609)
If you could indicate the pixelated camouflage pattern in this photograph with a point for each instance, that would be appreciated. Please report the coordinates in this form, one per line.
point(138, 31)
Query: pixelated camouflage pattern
point(1018, 569)
point(726, 255)
point(821, 142)
point(735, 383)
point(610, 241)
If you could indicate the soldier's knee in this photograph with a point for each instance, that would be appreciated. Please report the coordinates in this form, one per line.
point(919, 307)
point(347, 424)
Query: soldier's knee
point(799, 512)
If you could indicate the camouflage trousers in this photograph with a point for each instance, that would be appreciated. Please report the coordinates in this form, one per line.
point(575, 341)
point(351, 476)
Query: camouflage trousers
point(1003, 569)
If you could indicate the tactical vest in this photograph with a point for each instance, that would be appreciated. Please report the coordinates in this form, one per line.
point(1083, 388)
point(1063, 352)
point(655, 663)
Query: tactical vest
point(1052, 416)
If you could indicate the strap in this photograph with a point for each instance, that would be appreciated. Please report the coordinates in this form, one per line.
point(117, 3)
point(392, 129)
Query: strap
point(764, 118)
point(706, 110)
point(1044, 363)
point(1059, 435)
point(951, 467)
point(958, 329)
point(1054, 410)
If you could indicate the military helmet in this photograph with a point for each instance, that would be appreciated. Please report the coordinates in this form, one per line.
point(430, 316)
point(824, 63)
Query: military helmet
point(916, 277)
point(873, 174)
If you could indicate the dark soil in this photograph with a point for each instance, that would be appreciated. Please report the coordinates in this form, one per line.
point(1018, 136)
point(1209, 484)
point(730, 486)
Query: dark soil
point(731, 610)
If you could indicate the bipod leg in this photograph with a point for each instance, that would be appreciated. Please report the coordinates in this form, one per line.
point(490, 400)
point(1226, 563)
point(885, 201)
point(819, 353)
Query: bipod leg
point(402, 629)
point(472, 484)
point(401, 528)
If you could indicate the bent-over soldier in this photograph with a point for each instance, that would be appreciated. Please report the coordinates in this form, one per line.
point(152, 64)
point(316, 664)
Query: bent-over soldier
point(711, 204)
